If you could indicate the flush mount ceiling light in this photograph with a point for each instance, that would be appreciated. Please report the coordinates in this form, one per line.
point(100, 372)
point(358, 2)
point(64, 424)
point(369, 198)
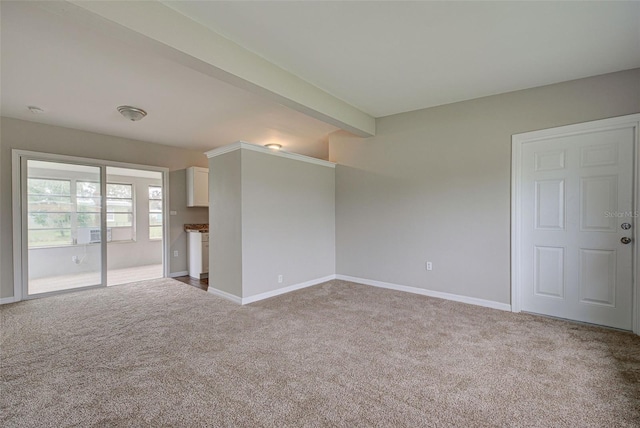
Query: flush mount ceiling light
point(35, 110)
point(273, 146)
point(132, 113)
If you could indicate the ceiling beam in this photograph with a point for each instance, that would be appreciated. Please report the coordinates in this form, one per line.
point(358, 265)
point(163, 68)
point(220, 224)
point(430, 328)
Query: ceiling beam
point(153, 25)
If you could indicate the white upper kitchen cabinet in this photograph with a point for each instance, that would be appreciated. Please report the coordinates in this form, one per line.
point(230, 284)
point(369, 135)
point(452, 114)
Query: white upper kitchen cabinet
point(197, 187)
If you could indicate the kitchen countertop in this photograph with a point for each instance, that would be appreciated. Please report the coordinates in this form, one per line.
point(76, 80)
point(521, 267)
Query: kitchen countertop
point(201, 228)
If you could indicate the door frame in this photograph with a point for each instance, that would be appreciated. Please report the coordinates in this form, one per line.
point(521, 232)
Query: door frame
point(20, 247)
point(517, 143)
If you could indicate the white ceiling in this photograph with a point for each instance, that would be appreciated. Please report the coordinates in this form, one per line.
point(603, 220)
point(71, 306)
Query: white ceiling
point(79, 77)
point(381, 57)
point(392, 57)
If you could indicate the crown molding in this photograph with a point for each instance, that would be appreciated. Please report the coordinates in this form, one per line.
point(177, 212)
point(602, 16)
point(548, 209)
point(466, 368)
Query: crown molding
point(256, 148)
point(224, 149)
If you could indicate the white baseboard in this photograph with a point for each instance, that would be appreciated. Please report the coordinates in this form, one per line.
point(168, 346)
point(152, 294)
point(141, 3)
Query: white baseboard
point(176, 274)
point(225, 295)
point(5, 300)
point(288, 289)
point(430, 293)
point(414, 290)
point(268, 294)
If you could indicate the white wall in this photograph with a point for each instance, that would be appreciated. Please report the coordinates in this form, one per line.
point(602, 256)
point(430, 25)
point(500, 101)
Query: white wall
point(19, 134)
point(225, 223)
point(434, 184)
point(288, 222)
point(273, 214)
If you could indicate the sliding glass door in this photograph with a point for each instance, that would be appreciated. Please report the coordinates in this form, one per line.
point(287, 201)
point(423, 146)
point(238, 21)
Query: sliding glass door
point(63, 226)
point(85, 223)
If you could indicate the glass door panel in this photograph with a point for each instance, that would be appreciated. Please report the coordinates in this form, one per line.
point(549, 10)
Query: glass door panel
point(134, 211)
point(63, 226)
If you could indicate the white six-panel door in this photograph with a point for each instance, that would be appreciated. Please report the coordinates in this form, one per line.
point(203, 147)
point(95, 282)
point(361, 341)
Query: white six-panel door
point(574, 212)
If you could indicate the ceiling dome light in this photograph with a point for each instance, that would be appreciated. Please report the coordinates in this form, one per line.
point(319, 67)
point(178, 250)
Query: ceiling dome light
point(273, 146)
point(132, 113)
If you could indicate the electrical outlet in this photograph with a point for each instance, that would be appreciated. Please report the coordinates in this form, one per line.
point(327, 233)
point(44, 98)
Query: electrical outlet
point(173, 212)
point(175, 253)
point(280, 279)
point(429, 266)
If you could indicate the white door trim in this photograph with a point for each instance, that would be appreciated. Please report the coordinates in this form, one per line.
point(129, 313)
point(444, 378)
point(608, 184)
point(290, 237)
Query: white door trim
point(517, 143)
point(16, 199)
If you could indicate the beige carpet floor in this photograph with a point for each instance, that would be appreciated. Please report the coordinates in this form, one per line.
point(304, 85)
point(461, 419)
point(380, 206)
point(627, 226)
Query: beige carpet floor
point(162, 353)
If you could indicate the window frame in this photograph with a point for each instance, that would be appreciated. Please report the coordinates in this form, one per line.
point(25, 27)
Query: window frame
point(74, 211)
point(132, 212)
point(75, 186)
point(150, 212)
point(71, 213)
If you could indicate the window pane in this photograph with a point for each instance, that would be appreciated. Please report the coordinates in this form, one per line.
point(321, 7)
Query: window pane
point(155, 206)
point(48, 203)
point(155, 192)
point(120, 211)
point(155, 212)
point(88, 220)
point(119, 191)
point(118, 219)
point(50, 237)
point(155, 219)
point(89, 205)
point(49, 221)
point(48, 187)
point(155, 232)
point(87, 188)
point(119, 205)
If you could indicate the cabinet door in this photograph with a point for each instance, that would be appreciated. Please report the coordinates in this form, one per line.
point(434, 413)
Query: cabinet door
point(205, 256)
point(197, 187)
point(201, 188)
point(194, 240)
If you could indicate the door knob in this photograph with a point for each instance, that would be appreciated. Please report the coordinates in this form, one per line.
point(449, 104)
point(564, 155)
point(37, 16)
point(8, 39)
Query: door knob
point(625, 240)
point(626, 226)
